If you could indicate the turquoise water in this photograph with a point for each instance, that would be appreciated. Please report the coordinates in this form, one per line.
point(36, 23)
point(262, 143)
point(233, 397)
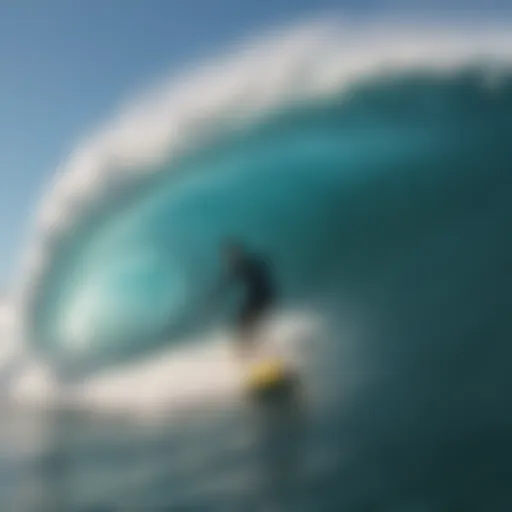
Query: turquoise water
point(333, 194)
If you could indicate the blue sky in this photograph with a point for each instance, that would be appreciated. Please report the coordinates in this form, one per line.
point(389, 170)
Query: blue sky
point(66, 64)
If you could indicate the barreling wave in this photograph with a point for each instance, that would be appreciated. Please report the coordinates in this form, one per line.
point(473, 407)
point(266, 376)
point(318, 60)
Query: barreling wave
point(372, 165)
point(353, 156)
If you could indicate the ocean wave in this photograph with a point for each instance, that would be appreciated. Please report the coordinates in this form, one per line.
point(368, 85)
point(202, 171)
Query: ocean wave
point(344, 153)
point(304, 63)
point(371, 166)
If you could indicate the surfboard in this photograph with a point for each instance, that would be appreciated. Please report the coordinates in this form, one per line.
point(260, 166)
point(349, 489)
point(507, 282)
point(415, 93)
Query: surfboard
point(266, 373)
point(270, 379)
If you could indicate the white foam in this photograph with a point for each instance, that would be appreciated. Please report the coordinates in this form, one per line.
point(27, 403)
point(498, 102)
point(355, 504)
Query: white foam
point(201, 371)
point(34, 385)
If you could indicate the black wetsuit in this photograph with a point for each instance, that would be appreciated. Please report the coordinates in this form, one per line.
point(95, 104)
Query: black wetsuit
point(254, 275)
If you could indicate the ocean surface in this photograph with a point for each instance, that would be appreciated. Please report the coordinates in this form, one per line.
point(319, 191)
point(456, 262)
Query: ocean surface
point(372, 167)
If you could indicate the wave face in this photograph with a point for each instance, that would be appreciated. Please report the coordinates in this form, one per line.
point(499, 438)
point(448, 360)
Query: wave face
point(348, 192)
point(376, 184)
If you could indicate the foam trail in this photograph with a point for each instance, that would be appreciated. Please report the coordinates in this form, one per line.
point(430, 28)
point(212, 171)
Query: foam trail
point(202, 371)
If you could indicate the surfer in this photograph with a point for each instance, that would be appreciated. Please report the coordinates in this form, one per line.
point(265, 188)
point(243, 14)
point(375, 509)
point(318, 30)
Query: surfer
point(255, 277)
point(270, 384)
point(267, 374)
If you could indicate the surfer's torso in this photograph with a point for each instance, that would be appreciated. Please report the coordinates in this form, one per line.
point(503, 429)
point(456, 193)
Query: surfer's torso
point(255, 277)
